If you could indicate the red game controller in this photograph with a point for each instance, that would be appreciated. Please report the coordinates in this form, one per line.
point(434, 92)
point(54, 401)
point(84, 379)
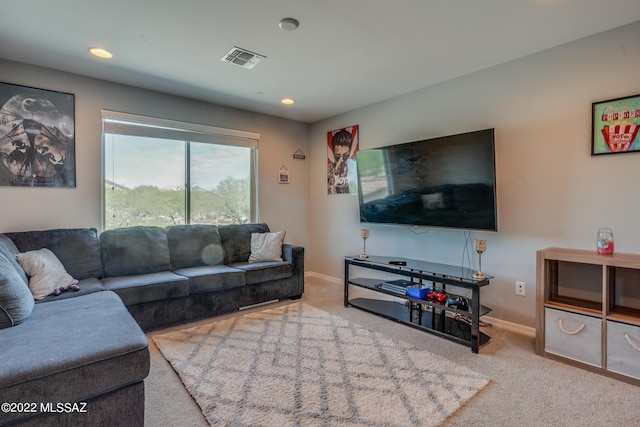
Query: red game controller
point(438, 296)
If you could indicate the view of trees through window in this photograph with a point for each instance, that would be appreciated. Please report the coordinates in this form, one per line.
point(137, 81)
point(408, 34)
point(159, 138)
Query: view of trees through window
point(161, 182)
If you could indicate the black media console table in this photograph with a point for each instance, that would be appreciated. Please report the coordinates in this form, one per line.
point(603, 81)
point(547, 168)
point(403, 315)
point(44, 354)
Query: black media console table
point(462, 326)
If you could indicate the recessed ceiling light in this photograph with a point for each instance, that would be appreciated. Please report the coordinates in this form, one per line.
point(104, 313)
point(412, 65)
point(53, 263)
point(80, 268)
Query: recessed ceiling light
point(100, 52)
point(288, 101)
point(289, 24)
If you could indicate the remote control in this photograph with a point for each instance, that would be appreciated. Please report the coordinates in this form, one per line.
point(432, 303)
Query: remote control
point(398, 262)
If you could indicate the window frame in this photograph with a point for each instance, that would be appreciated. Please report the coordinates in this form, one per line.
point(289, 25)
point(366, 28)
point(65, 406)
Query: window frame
point(114, 122)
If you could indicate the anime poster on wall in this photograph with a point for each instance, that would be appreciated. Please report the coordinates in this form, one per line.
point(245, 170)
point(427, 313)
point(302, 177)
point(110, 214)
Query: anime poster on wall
point(342, 174)
point(37, 137)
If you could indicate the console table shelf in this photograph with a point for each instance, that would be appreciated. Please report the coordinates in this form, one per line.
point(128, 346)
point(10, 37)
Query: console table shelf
point(462, 326)
point(374, 284)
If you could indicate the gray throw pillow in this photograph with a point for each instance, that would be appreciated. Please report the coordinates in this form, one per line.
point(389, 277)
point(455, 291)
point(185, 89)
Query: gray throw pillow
point(16, 301)
point(9, 250)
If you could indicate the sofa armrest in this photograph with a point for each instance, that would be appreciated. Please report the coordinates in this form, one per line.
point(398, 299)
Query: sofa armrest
point(295, 255)
point(292, 253)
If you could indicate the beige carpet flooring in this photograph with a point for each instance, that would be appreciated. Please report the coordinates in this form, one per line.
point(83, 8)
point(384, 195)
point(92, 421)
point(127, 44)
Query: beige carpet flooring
point(525, 389)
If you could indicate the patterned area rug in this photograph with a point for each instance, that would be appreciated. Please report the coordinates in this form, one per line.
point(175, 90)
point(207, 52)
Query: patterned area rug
point(300, 366)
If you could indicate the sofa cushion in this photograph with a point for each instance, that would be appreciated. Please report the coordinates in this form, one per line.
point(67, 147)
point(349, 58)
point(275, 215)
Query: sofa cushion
point(134, 250)
point(194, 245)
point(45, 272)
point(212, 278)
point(259, 272)
point(9, 250)
point(150, 287)
point(76, 349)
point(16, 301)
point(86, 286)
point(266, 246)
point(78, 249)
point(236, 240)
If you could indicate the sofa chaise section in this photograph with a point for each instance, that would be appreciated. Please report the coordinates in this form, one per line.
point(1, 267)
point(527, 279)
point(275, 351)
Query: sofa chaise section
point(76, 347)
point(76, 350)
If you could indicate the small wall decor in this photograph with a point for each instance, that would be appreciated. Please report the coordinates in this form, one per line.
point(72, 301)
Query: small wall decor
point(342, 147)
point(37, 137)
point(615, 125)
point(284, 175)
point(299, 155)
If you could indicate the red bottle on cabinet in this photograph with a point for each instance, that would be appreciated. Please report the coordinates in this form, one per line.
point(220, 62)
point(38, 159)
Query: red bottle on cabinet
point(605, 241)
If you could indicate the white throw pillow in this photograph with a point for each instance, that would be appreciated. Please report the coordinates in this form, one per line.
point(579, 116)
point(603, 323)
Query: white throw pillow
point(433, 201)
point(266, 246)
point(45, 271)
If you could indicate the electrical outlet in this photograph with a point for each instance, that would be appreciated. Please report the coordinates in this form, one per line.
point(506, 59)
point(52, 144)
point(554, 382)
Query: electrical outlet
point(520, 288)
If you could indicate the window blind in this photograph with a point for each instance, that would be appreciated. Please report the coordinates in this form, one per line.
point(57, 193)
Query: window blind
point(150, 127)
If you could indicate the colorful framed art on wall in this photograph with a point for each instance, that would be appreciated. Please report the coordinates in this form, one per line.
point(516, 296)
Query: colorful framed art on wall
point(615, 125)
point(342, 174)
point(37, 137)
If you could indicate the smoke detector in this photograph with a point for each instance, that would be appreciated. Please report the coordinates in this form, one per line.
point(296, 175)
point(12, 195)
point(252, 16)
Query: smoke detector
point(289, 24)
point(242, 57)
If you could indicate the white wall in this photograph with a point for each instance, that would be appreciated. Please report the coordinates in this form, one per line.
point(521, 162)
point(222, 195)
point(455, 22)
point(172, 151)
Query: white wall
point(41, 208)
point(551, 192)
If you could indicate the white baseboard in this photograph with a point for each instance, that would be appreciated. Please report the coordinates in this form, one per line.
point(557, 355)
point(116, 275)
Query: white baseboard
point(510, 326)
point(497, 323)
point(323, 277)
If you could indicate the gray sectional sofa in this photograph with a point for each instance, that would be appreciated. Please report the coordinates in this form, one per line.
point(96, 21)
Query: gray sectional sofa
point(88, 346)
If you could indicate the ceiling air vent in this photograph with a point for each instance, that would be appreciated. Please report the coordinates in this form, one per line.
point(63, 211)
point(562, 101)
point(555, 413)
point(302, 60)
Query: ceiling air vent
point(242, 57)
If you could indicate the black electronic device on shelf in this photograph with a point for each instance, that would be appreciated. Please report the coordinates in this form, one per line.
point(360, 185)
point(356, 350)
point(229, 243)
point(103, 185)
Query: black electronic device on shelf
point(459, 303)
point(396, 286)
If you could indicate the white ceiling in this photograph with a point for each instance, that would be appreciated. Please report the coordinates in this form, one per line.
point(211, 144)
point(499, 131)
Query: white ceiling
point(346, 53)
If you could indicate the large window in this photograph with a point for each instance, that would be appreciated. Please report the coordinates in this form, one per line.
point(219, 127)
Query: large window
point(159, 172)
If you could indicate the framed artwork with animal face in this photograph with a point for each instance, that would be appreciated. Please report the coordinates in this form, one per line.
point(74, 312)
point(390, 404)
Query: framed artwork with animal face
point(37, 137)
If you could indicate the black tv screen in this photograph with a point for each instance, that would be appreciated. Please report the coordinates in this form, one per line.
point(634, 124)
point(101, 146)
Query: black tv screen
point(441, 182)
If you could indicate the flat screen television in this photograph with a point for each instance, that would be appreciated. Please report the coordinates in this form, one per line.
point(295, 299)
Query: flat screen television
point(441, 182)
